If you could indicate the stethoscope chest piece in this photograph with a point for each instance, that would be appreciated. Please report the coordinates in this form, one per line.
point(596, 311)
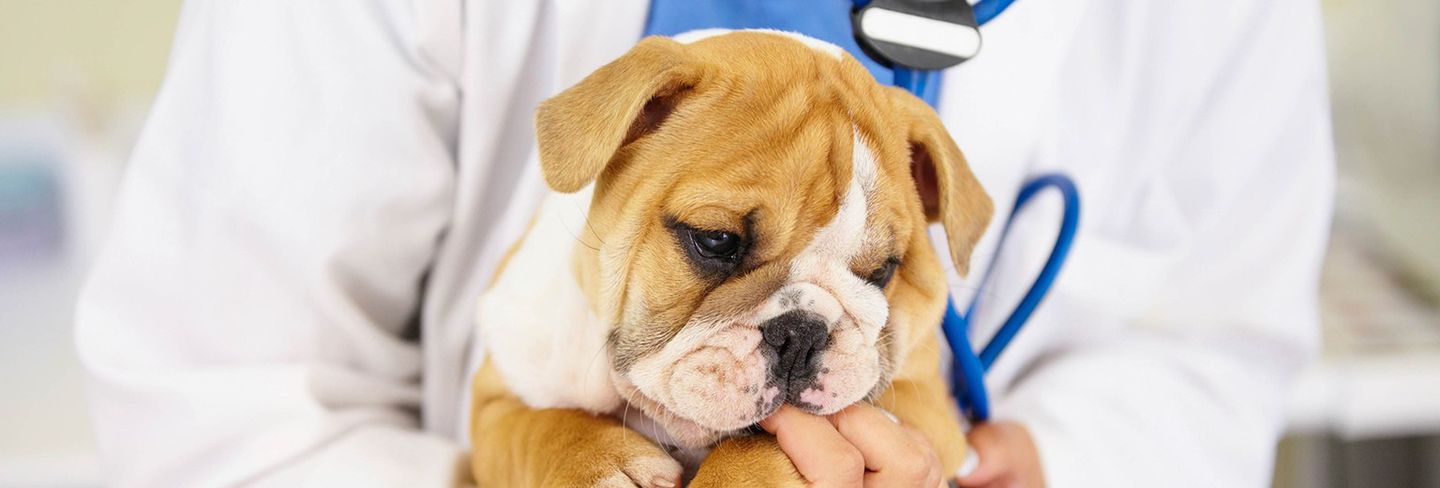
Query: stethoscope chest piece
point(917, 34)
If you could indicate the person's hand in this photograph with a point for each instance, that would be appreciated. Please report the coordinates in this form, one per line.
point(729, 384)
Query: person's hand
point(1008, 458)
point(860, 445)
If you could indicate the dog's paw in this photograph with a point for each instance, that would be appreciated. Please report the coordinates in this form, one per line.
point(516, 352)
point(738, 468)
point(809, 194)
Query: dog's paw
point(644, 472)
point(618, 458)
point(753, 460)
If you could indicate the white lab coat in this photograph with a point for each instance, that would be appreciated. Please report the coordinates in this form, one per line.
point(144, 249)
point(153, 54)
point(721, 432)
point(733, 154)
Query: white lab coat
point(323, 188)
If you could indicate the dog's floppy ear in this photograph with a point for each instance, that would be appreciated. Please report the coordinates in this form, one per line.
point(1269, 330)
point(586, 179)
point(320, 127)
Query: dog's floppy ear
point(948, 190)
point(580, 129)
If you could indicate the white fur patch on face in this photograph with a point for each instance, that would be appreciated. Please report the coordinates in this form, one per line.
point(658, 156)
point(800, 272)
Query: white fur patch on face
point(864, 164)
point(825, 47)
point(824, 265)
point(839, 241)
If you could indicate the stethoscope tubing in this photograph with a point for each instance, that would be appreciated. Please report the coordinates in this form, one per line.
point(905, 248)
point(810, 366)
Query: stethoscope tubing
point(1069, 223)
point(969, 368)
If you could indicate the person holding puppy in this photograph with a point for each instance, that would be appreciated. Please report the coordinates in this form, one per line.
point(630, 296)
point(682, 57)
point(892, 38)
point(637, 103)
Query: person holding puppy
point(322, 191)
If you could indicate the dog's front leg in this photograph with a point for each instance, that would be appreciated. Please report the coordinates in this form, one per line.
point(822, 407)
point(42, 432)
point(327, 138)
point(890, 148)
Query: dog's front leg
point(516, 445)
point(751, 460)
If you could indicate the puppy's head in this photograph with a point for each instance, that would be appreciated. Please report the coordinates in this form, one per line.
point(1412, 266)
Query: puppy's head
point(757, 231)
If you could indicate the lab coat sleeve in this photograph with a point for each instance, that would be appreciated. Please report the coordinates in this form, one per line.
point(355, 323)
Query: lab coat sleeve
point(251, 319)
point(1191, 299)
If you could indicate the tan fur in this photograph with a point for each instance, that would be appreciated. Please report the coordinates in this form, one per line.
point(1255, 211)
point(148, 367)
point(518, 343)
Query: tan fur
point(515, 445)
point(746, 129)
point(747, 461)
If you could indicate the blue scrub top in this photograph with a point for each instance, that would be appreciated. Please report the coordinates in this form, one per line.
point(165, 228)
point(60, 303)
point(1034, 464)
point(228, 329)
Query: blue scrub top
point(828, 20)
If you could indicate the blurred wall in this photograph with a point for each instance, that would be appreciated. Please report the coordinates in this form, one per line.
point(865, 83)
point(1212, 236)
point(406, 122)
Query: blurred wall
point(113, 50)
point(1373, 392)
point(76, 79)
point(1385, 87)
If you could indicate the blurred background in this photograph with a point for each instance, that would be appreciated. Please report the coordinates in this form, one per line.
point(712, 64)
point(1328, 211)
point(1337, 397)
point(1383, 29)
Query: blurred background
point(77, 77)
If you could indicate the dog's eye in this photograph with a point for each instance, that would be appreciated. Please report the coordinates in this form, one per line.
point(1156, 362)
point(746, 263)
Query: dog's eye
point(713, 254)
point(881, 277)
point(716, 244)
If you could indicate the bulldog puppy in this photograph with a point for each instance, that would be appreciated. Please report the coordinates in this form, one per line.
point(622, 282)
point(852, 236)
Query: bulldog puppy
point(739, 222)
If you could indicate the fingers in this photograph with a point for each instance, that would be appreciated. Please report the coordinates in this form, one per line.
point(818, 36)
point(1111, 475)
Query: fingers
point(819, 452)
point(994, 457)
point(932, 458)
point(936, 465)
point(893, 455)
point(1008, 457)
point(860, 443)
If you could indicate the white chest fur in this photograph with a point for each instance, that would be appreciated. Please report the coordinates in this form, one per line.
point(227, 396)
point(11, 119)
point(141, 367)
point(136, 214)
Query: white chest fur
point(534, 321)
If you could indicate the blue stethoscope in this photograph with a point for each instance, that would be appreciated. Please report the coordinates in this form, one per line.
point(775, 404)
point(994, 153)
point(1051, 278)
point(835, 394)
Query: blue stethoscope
point(967, 373)
point(834, 23)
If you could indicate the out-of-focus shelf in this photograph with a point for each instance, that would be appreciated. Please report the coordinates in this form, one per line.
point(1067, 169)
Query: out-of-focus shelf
point(1365, 397)
point(1379, 375)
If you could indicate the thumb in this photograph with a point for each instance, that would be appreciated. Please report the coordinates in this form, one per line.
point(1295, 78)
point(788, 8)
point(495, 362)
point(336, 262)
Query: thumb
point(987, 460)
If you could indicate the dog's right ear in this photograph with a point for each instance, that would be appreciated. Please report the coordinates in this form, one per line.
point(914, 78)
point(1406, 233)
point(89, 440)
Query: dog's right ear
point(580, 130)
point(949, 192)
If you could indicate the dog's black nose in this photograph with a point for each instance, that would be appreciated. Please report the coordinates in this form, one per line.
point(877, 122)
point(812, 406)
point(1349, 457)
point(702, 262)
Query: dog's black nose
point(797, 338)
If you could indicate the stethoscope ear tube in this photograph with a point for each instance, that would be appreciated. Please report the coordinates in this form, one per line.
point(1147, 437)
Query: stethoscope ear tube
point(1058, 253)
point(968, 371)
point(987, 10)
